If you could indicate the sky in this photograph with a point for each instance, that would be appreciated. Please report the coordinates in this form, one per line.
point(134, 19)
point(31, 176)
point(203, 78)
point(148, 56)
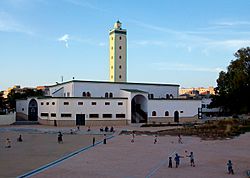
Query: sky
point(185, 42)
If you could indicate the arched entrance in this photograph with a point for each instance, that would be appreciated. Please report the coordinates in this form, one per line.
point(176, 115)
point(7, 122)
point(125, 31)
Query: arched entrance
point(33, 110)
point(176, 116)
point(139, 109)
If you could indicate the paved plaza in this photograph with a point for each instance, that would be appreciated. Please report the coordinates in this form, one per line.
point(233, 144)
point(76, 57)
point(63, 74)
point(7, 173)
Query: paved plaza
point(120, 158)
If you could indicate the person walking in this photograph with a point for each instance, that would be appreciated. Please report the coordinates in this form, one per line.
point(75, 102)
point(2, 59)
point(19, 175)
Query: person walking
point(179, 139)
point(133, 137)
point(8, 143)
point(59, 138)
point(93, 141)
point(230, 167)
point(170, 165)
point(155, 140)
point(20, 139)
point(191, 156)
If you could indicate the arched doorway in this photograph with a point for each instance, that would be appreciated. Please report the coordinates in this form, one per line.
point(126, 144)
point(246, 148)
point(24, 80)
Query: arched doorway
point(139, 109)
point(176, 116)
point(33, 110)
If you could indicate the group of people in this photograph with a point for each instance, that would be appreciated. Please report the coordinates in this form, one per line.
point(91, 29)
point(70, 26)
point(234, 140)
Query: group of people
point(106, 129)
point(177, 160)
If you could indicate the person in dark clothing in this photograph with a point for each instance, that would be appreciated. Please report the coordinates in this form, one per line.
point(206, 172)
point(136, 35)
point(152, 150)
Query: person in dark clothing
point(59, 138)
point(230, 167)
point(170, 165)
point(177, 160)
point(93, 141)
point(105, 139)
point(106, 129)
point(20, 139)
point(191, 159)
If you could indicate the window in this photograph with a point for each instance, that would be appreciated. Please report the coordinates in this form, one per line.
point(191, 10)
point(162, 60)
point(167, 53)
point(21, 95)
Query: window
point(84, 94)
point(43, 114)
point(47, 103)
point(111, 95)
point(167, 96)
point(93, 103)
point(88, 94)
point(68, 94)
point(112, 38)
point(65, 115)
point(111, 67)
point(53, 103)
point(111, 76)
point(120, 103)
point(53, 114)
point(22, 109)
point(80, 103)
point(41, 103)
point(171, 96)
point(112, 48)
point(150, 96)
point(106, 95)
point(120, 57)
point(166, 113)
point(65, 103)
point(120, 66)
point(120, 76)
point(93, 115)
point(107, 103)
point(154, 113)
point(107, 115)
point(112, 57)
point(181, 111)
point(120, 47)
point(120, 115)
point(120, 38)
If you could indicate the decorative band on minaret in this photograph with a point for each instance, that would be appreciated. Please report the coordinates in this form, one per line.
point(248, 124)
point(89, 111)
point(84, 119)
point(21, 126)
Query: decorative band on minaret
point(118, 53)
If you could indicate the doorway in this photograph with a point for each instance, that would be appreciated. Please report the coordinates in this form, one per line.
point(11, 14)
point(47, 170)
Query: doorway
point(80, 119)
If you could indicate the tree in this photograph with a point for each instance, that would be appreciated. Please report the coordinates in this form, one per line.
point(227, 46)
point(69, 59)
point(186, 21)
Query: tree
point(23, 94)
point(233, 86)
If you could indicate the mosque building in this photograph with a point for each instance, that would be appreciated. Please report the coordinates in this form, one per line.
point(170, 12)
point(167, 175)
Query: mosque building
point(114, 102)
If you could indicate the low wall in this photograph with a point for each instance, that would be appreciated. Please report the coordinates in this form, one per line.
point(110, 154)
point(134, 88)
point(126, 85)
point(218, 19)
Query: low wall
point(21, 116)
point(171, 119)
point(8, 119)
point(87, 122)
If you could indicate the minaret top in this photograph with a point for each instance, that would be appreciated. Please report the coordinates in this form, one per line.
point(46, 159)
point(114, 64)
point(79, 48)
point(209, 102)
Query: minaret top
point(118, 25)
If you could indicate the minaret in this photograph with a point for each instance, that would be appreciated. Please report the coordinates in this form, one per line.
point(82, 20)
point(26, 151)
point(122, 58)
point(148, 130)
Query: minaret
point(118, 53)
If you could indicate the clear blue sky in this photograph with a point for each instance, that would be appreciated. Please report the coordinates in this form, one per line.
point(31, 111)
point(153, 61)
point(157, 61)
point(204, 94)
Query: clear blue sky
point(184, 42)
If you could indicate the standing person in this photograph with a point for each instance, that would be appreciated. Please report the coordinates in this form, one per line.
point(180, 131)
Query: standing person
point(105, 139)
point(155, 140)
point(230, 167)
point(78, 128)
point(19, 139)
point(8, 143)
point(59, 138)
point(170, 165)
point(179, 139)
point(177, 160)
point(191, 159)
point(133, 137)
point(93, 141)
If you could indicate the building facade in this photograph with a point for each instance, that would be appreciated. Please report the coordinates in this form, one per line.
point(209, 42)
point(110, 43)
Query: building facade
point(116, 102)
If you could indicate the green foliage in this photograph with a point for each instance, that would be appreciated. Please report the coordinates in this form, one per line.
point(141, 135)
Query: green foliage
point(13, 96)
point(233, 86)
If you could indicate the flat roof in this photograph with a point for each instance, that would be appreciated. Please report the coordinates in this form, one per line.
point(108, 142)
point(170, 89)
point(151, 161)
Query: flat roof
point(108, 82)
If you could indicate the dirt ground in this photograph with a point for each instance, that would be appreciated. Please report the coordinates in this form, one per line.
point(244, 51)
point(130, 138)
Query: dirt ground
point(120, 158)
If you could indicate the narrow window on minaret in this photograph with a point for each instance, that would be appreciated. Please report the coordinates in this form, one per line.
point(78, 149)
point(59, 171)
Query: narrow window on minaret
point(120, 47)
point(120, 67)
point(120, 57)
point(120, 38)
point(120, 76)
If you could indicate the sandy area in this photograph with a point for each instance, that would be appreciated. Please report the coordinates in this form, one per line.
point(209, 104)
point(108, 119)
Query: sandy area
point(120, 158)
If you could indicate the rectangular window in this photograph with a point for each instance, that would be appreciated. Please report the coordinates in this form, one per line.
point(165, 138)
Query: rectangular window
point(66, 103)
point(107, 103)
point(93, 115)
point(65, 115)
point(93, 103)
point(43, 114)
point(181, 111)
point(68, 94)
point(107, 115)
point(120, 115)
point(120, 103)
point(53, 114)
point(80, 103)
